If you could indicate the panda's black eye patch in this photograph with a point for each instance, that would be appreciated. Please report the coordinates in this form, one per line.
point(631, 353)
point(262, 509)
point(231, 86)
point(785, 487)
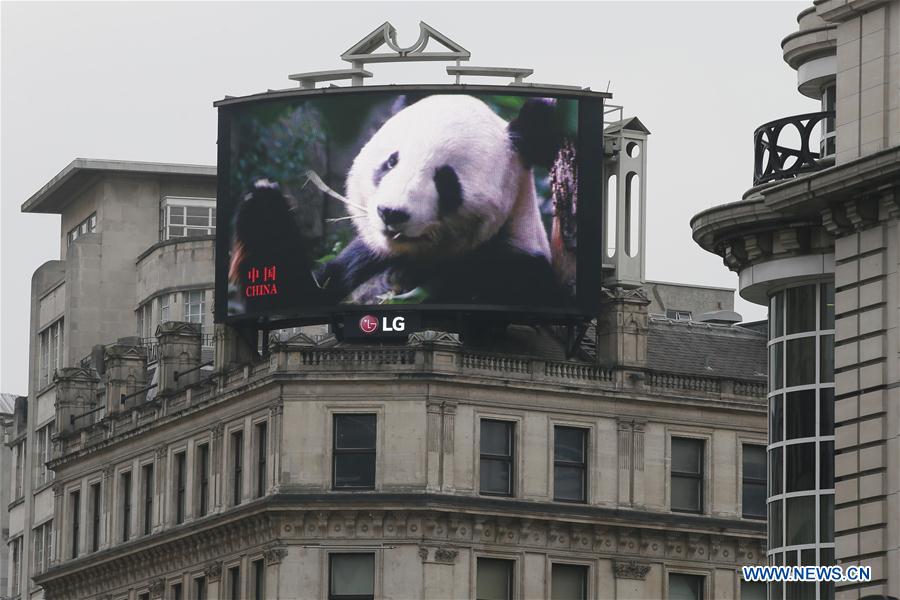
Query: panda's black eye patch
point(386, 166)
point(450, 194)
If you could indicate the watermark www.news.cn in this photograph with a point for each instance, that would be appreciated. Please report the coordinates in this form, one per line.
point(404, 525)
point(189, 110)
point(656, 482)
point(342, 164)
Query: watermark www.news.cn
point(775, 574)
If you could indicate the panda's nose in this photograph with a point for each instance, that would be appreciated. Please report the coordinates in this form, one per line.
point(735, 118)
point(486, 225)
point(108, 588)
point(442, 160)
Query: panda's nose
point(393, 216)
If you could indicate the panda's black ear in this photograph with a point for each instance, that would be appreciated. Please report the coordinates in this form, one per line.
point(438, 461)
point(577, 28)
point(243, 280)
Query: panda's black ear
point(536, 132)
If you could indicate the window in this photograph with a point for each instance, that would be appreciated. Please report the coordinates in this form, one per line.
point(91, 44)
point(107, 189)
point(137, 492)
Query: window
point(351, 576)
point(42, 546)
point(569, 582)
point(20, 470)
point(96, 506)
point(202, 458)
point(189, 217)
point(497, 449)
point(569, 464)
point(199, 588)
point(144, 596)
point(43, 450)
point(753, 492)
point(75, 520)
point(354, 451)
point(147, 484)
point(753, 590)
point(165, 303)
point(51, 344)
point(144, 319)
point(679, 315)
point(15, 557)
point(259, 580)
point(494, 578)
point(234, 583)
point(193, 306)
point(176, 591)
point(687, 475)
point(125, 489)
point(261, 454)
point(685, 587)
point(180, 486)
point(237, 466)
point(87, 226)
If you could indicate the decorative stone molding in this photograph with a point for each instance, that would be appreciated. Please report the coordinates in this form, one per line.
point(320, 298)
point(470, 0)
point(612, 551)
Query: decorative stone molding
point(213, 571)
point(162, 452)
point(630, 569)
point(157, 588)
point(274, 555)
point(57, 488)
point(446, 555)
point(423, 554)
point(429, 337)
point(217, 430)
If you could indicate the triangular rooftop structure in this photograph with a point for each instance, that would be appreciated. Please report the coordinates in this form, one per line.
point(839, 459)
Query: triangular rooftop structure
point(364, 51)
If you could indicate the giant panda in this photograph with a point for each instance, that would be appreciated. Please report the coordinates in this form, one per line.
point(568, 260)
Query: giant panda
point(443, 201)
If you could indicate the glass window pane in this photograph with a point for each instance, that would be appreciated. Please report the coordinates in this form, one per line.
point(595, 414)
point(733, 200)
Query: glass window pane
point(685, 494)
point(354, 470)
point(774, 524)
point(775, 471)
point(826, 556)
point(776, 316)
point(569, 444)
point(352, 574)
point(176, 232)
point(776, 418)
point(354, 431)
point(800, 413)
point(800, 465)
point(753, 590)
point(827, 313)
point(826, 411)
point(494, 579)
point(686, 455)
point(568, 483)
point(193, 232)
point(754, 499)
point(776, 366)
point(801, 309)
point(754, 461)
point(176, 215)
point(800, 364)
point(685, 587)
point(496, 437)
point(800, 527)
point(826, 465)
point(198, 212)
point(826, 519)
point(569, 582)
point(826, 358)
point(495, 476)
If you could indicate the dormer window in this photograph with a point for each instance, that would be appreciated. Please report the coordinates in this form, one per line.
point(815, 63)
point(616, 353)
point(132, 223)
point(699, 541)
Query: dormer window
point(188, 217)
point(87, 226)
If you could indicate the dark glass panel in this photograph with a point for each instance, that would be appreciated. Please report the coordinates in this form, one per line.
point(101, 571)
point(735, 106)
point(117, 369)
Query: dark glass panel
point(826, 465)
point(774, 525)
point(776, 366)
point(495, 476)
point(568, 444)
point(686, 494)
point(826, 358)
point(800, 526)
point(776, 316)
point(776, 418)
point(775, 471)
point(826, 411)
point(354, 470)
point(493, 579)
point(496, 437)
point(801, 309)
point(352, 575)
point(800, 414)
point(800, 362)
point(826, 318)
point(569, 582)
point(354, 431)
point(826, 520)
point(687, 455)
point(568, 483)
point(800, 467)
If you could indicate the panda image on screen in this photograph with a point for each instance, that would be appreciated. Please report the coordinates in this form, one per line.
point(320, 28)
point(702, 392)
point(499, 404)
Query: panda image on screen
point(443, 201)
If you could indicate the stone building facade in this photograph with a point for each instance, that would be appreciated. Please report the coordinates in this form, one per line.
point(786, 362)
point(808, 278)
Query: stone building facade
point(184, 465)
point(816, 239)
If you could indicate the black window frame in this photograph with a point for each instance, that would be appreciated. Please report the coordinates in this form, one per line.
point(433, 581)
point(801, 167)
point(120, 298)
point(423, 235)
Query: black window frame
point(125, 486)
point(147, 482)
point(96, 515)
point(202, 458)
point(331, 594)
point(509, 458)
point(180, 486)
point(699, 477)
point(262, 454)
point(367, 451)
point(756, 481)
point(583, 465)
point(237, 466)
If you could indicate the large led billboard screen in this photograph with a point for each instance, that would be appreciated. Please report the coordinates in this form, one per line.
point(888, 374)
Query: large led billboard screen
point(433, 198)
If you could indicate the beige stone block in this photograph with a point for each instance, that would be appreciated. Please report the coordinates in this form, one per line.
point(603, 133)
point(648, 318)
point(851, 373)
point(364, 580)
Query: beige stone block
point(871, 541)
point(847, 53)
point(846, 301)
point(871, 376)
point(847, 142)
point(871, 403)
point(871, 485)
point(846, 491)
point(846, 247)
point(846, 545)
point(872, 131)
point(871, 293)
point(846, 519)
point(873, 147)
point(846, 110)
point(846, 409)
point(871, 430)
point(871, 321)
point(872, 513)
point(872, 239)
point(872, 102)
point(846, 328)
point(846, 273)
point(846, 594)
point(847, 31)
point(846, 436)
point(872, 75)
point(871, 458)
point(847, 83)
point(874, 20)
point(846, 382)
point(871, 266)
point(846, 463)
point(871, 348)
point(846, 355)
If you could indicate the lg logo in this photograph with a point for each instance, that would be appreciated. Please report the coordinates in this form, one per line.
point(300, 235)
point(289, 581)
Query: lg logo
point(370, 324)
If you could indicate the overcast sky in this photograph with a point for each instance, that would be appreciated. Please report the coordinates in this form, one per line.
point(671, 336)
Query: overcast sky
point(136, 81)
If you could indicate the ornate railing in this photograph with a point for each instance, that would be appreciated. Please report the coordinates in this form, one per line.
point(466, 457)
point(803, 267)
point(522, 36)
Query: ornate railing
point(773, 161)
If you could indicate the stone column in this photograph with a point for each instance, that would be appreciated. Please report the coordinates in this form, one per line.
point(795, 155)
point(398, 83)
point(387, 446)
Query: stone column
point(125, 372)
point(179, 355)
point(622, 329)
point(76, 393)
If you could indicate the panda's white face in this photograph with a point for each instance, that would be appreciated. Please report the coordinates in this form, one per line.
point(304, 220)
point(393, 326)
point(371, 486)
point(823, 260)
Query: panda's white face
point(439, 176)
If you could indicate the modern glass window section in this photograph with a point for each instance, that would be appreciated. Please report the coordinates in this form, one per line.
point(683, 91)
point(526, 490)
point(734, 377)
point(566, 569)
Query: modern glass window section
point(569, 464)
point(353, 453)
point(351, 576)
point(685, 587)
point(497, 455)
point(568, 582)
point(753, 485)
point(494, 579)
point(189, 217)
point(687, 474)
point(801, 431)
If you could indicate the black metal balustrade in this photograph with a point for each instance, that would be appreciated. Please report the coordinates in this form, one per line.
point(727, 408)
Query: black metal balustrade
point(773, 161)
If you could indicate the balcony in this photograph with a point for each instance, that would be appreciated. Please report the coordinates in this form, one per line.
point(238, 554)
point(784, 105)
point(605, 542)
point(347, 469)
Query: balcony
point(782, 148)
